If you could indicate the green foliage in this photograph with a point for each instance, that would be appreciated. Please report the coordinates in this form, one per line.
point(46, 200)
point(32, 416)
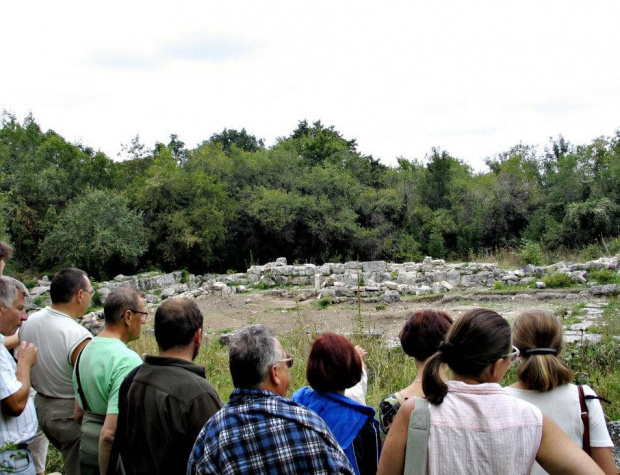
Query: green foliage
point(184, 276)
point(324, 302)
point(604, 276)
point(312, 197)
point(530, 253)
point(558, 280)
point(436, 246)
point(97, 232)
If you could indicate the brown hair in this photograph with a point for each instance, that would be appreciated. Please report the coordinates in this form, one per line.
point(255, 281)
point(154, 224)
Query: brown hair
point(423, 332)
point(537, 329)
point(333, 363)
point(476, 340)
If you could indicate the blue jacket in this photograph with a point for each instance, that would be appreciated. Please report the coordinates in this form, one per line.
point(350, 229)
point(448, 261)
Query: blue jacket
point(344, 417)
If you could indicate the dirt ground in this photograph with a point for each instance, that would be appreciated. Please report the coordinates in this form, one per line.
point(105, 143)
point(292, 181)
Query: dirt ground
point(226, 313)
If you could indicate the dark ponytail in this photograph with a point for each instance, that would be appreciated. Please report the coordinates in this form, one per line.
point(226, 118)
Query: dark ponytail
point(476, 340)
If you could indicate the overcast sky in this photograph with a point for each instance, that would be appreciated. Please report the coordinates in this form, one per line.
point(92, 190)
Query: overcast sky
point(471, 77)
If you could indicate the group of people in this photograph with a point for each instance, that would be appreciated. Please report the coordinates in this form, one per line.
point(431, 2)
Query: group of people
point(109, 412)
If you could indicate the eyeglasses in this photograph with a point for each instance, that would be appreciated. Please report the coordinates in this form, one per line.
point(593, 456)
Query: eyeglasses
point(514, 355)
point(288, 360)
point(89, 292)
point(144, 314)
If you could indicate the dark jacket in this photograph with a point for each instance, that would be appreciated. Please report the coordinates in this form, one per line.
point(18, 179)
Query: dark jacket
point(163, 405)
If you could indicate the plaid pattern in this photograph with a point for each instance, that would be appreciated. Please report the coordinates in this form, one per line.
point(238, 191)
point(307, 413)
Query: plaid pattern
point(260, 432)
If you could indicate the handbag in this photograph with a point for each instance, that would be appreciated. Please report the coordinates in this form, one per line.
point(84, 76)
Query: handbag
point(416, 454)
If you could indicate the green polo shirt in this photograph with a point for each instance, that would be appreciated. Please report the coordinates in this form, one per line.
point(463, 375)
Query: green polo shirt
point(103, 365)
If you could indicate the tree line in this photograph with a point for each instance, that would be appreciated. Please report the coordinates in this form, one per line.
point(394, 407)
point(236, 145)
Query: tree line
point(231, 201)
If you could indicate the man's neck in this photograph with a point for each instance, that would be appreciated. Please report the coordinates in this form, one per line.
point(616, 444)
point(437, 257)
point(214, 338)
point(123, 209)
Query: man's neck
point(180, 352)
point(67, 309)
point(114, 332)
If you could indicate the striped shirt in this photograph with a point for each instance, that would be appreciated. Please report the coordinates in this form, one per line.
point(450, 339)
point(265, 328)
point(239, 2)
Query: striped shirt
point(20, 429)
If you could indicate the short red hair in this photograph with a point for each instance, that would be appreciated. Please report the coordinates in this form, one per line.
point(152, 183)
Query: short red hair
point(333, 364)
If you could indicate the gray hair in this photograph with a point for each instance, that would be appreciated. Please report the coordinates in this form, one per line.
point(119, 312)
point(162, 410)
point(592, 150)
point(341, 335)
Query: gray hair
point(252, 354)
point(8, 290)
point(118, 301)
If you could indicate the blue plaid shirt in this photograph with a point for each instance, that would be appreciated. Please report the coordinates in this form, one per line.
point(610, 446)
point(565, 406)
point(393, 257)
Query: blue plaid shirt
point(258, 431)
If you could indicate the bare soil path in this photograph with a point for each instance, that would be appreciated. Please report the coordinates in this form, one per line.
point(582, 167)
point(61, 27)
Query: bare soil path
point(230, 312)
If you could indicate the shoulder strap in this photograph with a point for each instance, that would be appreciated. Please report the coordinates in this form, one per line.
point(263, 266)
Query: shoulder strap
point(585, 419)
point(79, 382)
point(416, 454)
point(399, 398)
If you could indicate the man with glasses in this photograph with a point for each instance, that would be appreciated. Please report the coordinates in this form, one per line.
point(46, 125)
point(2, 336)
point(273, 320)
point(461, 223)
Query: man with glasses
point(259, 430)
point(60, 339)
point(164, 403)
point(99, 372)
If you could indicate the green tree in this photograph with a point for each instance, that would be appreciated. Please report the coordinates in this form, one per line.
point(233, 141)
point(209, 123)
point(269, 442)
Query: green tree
point(97, 232)
point(240, 139)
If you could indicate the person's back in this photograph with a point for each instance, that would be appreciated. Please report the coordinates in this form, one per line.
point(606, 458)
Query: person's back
point(259, 430)
point(60, 339)
point(99, 373)
point(545, 381)
point(164, 403)
point(475, 426)
point(481, 424)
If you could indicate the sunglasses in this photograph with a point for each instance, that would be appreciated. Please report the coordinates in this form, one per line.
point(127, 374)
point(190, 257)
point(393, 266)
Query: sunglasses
point(288, 360)
point(513, 355)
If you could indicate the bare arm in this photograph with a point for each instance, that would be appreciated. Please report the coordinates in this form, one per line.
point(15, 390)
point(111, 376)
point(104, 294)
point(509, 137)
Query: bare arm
point(105, 442)
point(78, 350)
point(11, 342)
point(393, 454)
point(558, 454)
point(604, 458)
point(15, 404)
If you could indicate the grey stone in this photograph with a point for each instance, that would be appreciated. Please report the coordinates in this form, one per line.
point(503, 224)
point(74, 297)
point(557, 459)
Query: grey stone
point(150, 298)
point(390, 285)
point(540, 284)
point(614, 432)
point(390, 296)
point(119, 277)
point(373, 266)
point(424, 289)
point(38, 290)
point(281, 261)
point(169, 292)
point(608, 289)
point(226, 338)
point(407, 278)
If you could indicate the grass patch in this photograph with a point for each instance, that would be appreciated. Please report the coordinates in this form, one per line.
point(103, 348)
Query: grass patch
point(324, 302)
point(604, 276)
point(558, 280)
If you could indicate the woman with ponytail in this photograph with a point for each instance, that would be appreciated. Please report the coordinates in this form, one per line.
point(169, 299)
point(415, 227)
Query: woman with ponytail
point(545, 381)
point(475, 426)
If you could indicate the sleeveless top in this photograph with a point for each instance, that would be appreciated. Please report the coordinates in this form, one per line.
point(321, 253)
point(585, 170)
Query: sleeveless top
point(481, 429)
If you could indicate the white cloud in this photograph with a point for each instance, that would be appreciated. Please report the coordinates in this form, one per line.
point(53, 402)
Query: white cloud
point(474, 78)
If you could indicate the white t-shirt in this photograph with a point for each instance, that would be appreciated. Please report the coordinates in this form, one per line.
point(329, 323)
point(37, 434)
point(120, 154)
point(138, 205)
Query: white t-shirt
point(57, 336)
point(561, 404)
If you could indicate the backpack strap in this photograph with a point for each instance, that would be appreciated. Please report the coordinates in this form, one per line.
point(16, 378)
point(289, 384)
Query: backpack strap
point(585, 418)
point(416, 454)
